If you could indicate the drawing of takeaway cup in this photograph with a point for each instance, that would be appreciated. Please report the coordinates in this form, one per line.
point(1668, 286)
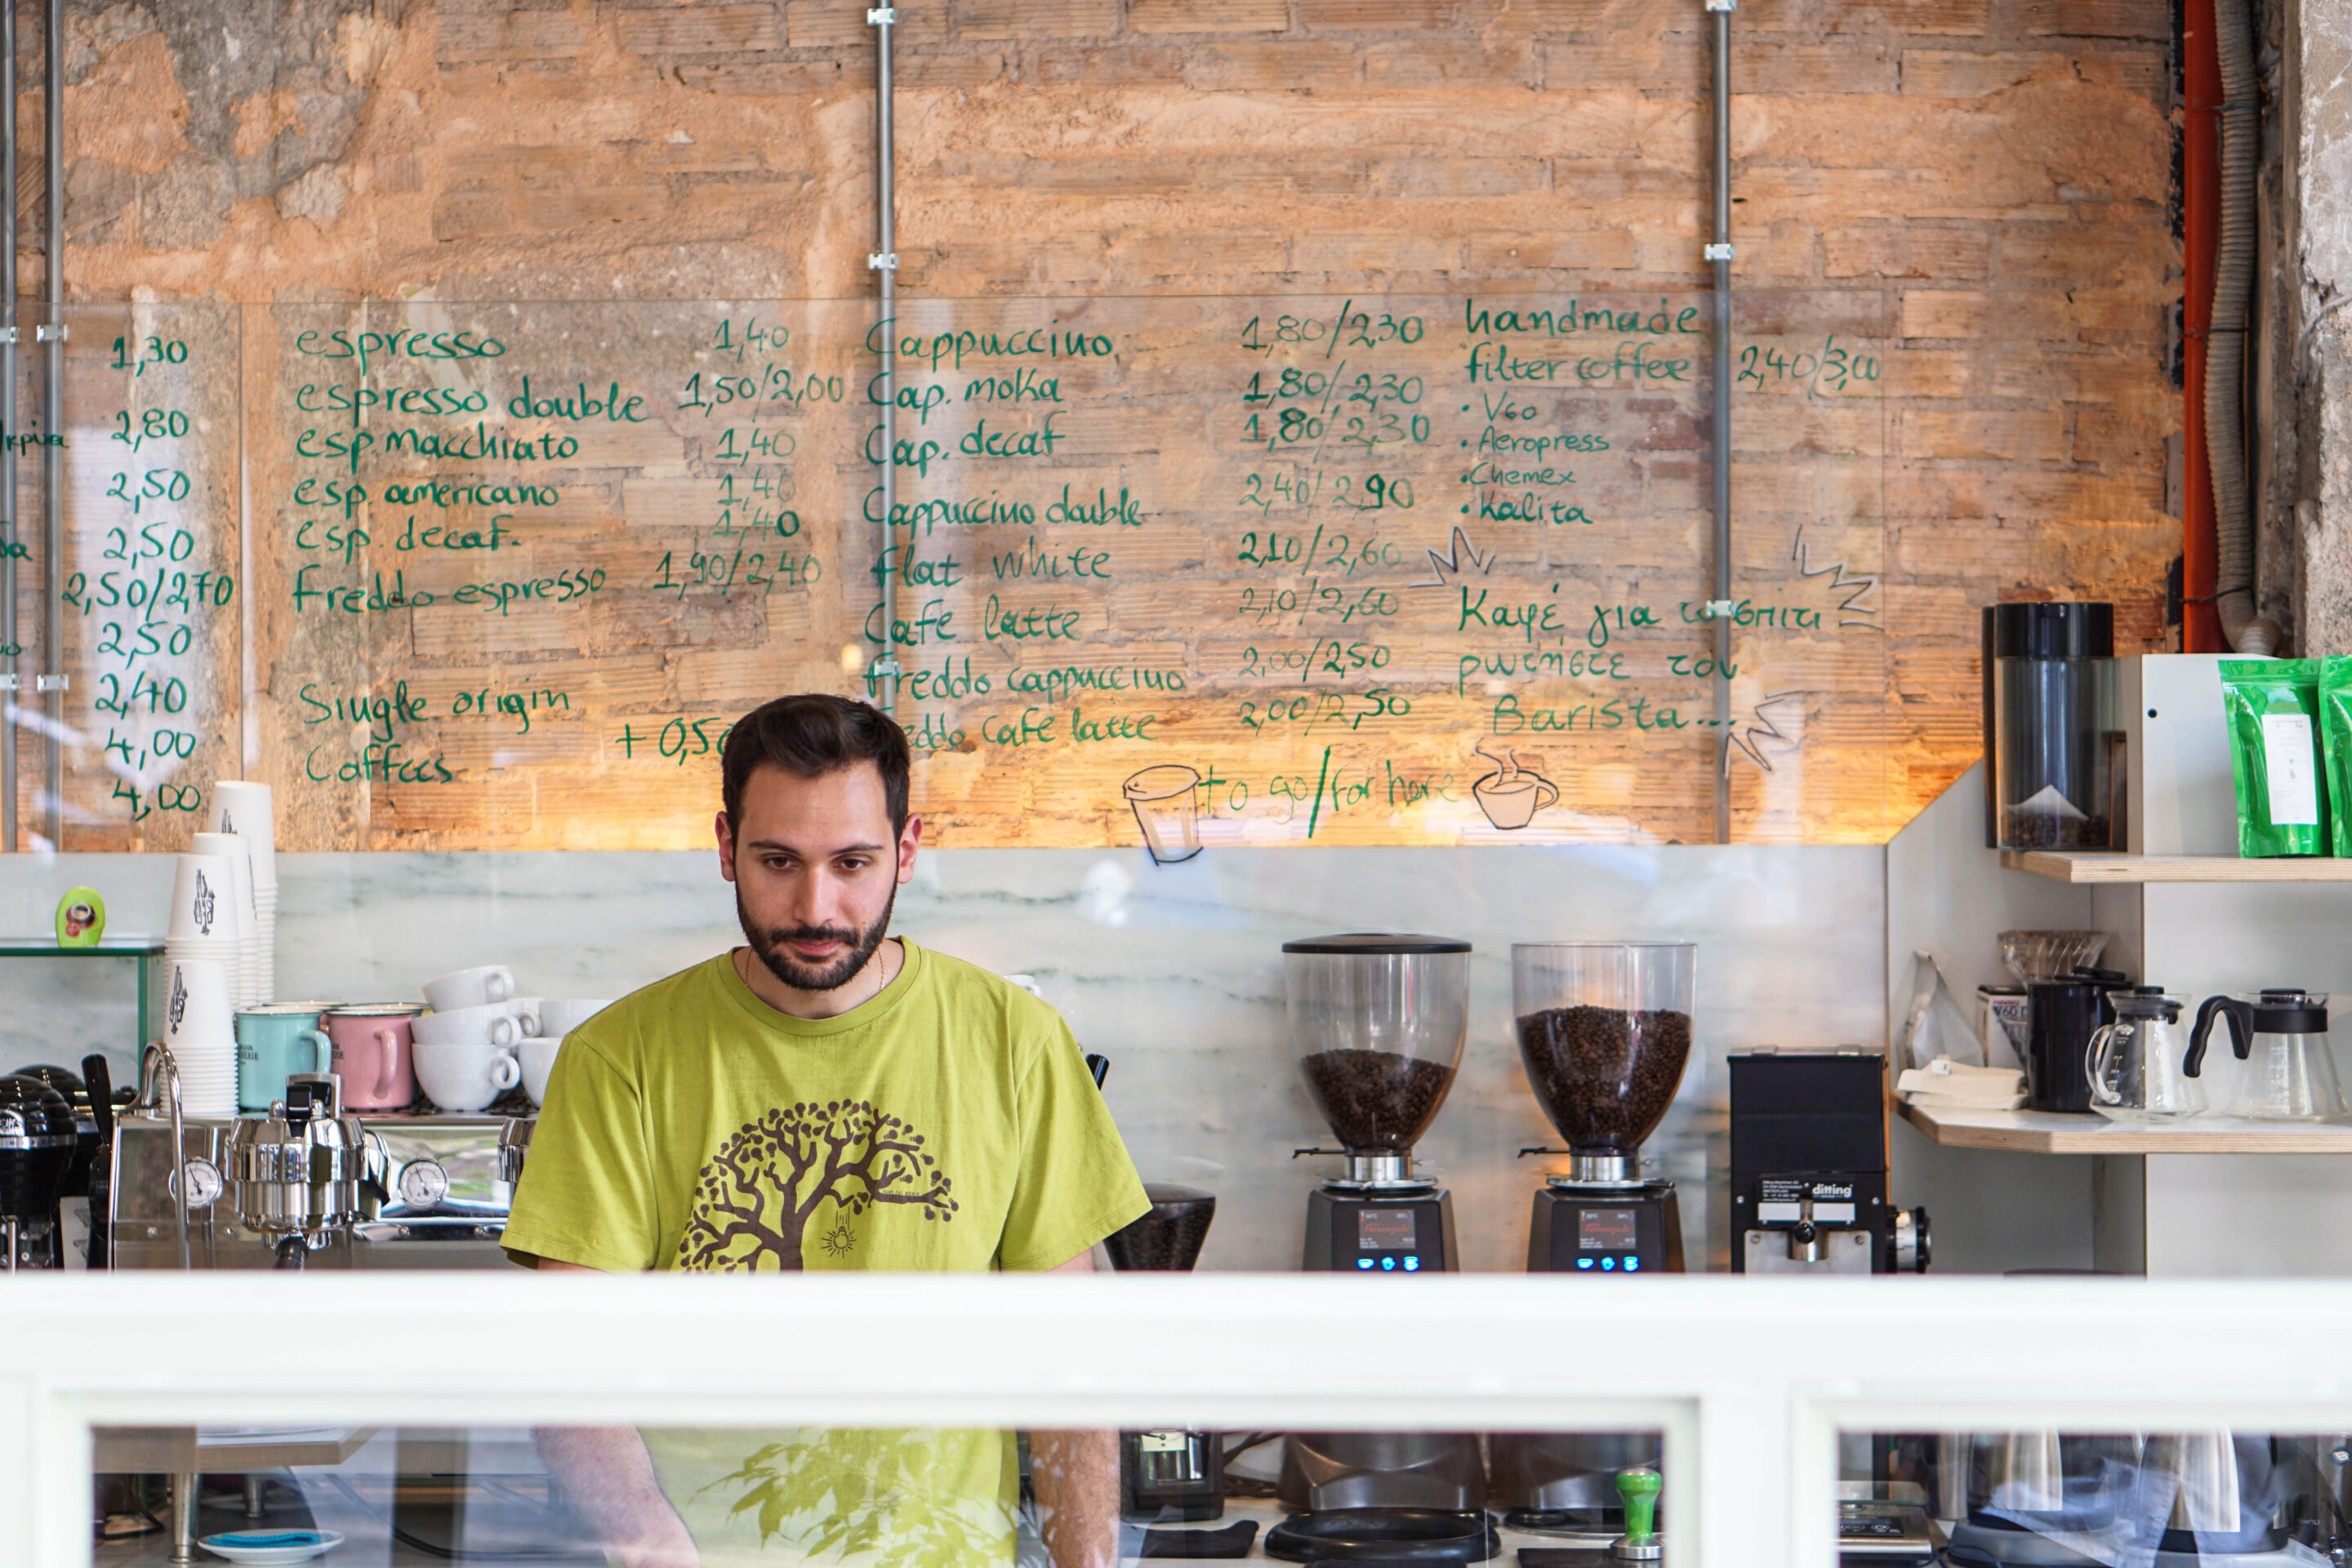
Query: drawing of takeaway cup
point(1164, 809)
point(1511, 799)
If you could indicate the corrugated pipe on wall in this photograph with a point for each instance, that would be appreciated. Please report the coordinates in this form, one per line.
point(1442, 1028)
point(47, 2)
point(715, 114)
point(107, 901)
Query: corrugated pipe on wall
point(2235, 595)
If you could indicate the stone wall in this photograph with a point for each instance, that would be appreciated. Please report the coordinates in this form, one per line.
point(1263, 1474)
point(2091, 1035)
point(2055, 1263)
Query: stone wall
point(2001, 167)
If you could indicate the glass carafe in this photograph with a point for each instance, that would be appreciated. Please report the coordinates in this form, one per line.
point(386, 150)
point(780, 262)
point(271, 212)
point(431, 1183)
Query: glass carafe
point(2134, 1063)
point(2281, 1037)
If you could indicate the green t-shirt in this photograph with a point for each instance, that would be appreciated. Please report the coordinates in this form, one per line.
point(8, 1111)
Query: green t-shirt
point(947, 1124)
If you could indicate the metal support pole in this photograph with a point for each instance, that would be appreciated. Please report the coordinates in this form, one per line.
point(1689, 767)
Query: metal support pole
point(882, 676)
point(1719, 253)
point(12, 671)
point(53, 464)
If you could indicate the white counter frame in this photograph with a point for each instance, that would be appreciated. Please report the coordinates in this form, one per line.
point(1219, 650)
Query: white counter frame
point(1751, 1379)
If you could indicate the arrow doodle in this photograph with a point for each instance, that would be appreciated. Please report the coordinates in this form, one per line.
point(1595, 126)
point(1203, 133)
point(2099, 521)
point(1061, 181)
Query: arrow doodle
point(1855, 588)
point(1455, 548)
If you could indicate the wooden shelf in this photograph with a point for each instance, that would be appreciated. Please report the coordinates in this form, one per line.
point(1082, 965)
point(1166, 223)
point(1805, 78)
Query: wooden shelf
point(2049, 1132)
point(2083, 866)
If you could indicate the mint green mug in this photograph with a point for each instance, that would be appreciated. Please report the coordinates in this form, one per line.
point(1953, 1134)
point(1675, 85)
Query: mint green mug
point(274, 1042)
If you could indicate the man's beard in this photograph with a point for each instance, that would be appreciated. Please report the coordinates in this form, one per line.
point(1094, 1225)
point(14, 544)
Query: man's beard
point(769, 947)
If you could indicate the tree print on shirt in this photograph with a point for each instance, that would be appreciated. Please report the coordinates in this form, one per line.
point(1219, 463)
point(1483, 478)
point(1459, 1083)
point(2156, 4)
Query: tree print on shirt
point(889, 1499)
point(754, 1200)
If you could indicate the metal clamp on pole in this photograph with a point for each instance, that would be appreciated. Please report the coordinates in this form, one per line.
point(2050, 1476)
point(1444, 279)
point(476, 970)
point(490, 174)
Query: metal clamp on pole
point(53, 683)
point(1719, 253)
point(882, 262)
point(1719, 609)
point(881, 15)
point(52, 333)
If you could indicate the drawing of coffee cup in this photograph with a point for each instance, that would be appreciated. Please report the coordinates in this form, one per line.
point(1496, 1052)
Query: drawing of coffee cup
point(1165, 810)
point(1511, 800)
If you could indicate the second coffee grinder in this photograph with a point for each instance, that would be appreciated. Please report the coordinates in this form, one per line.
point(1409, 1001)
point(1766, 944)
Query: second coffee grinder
point(1604, 1031)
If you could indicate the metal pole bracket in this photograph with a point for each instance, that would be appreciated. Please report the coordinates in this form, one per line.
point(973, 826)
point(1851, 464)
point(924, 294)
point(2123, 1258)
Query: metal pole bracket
point(882, 262)
point(1720, 251)
point(52, 333)
point(1723, 4)
point(888, 15)
point(1719, 609)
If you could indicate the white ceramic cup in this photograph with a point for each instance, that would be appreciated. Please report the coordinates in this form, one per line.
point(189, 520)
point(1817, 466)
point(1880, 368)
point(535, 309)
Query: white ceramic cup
point(538, 1062)
point(465, 1076)
point(560, 1015)
point(491, 1026)
point(203, 902)
point(526, 1012)
point(481, 987)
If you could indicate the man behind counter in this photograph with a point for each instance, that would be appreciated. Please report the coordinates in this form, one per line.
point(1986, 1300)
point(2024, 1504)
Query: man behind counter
point(824, 1099)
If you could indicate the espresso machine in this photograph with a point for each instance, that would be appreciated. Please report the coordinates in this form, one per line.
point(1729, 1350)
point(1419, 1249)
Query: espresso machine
point(1604, 1031)
point(1379, 1020)
point(1808, 1168)
point(37, 1141)
point(394, 1189)
point(1168, 1476)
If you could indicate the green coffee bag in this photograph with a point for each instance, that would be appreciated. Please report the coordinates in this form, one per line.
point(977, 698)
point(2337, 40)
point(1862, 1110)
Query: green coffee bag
point(2335, 748)
point(2272, 707)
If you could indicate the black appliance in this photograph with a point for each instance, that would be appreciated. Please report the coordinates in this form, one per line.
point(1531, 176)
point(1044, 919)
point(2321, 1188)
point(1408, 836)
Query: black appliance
point(38, 1140)
point(1808, 1168)
point(1166, 1477)
point(2061, 1016)
point(2053, 751)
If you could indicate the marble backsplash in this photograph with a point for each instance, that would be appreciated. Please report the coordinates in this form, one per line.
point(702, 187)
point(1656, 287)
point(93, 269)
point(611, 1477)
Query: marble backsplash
point(1173, 972)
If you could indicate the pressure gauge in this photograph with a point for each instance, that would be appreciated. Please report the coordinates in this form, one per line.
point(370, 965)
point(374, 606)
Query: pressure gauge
point(203, 1183)
point(423, 1183)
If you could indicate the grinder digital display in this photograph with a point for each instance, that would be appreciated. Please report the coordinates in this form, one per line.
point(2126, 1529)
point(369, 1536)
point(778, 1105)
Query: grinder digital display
point(1605, 1230)
point(1385, 1230)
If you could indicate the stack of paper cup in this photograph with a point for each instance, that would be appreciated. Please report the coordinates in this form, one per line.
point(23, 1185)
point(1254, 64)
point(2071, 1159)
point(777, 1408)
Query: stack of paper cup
point(244, 808)
point(200, 1029)
point(247, 986)
point(204, 925)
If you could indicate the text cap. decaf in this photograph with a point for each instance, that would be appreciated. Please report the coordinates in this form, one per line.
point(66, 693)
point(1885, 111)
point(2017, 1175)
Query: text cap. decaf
point(1376, 945)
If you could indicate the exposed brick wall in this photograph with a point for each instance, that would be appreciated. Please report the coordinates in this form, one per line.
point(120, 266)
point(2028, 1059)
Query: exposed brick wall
point(1999, 166)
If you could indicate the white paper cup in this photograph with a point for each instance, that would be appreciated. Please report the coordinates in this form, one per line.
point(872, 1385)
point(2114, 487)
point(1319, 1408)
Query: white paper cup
point(243, 807)
point(200, 1030)
point(492, 1027)
point(480, 988)
point(561, 1015)
point(202, 900)
point(538, 1062)
point(464, 1077)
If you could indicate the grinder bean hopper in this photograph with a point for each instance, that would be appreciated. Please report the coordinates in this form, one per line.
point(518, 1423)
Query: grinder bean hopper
point(1604, 1032)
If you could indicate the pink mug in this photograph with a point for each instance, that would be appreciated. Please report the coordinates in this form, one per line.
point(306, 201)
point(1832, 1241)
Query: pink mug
point(373, 1053)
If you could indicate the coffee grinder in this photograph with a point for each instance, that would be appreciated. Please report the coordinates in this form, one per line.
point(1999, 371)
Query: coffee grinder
point(1604, 1031)
point(1168, 1476)
point(1379, 1020)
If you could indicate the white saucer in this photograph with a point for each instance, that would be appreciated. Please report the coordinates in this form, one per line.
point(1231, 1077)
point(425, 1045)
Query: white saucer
point(298, 1545)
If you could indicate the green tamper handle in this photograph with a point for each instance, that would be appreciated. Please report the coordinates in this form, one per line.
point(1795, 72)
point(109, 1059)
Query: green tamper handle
point(1639, 1489)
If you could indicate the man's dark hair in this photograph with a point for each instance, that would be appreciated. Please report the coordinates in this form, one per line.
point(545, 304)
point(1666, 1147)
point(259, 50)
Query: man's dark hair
point(809, 736)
